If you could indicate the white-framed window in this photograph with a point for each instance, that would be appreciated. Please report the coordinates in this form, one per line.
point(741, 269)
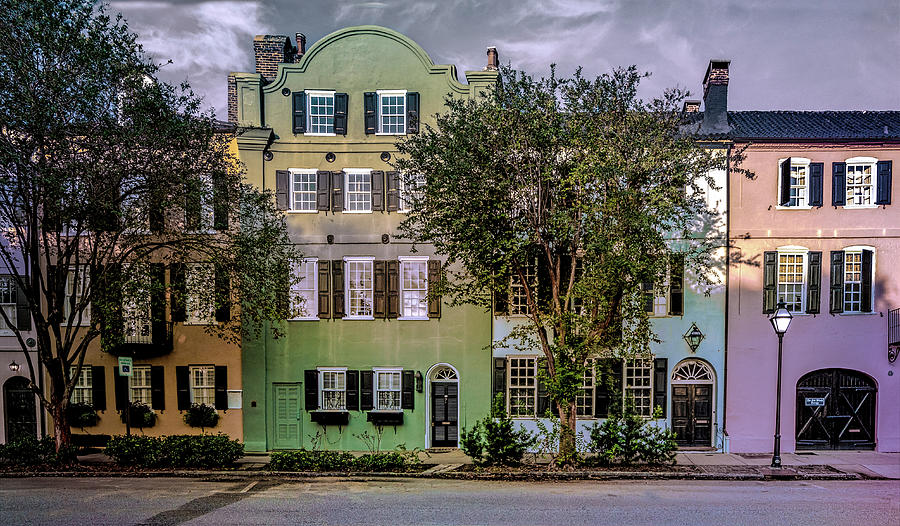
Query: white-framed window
point(387, 389)
point(333, 389)
point(518, 298)
point(139, 383)
point(320, 112)
point(392, 112)
point(359, 287)
point(200, 282)
point(358, 196)
point(78, 281)
point(791, 278)
point(8, 292)
point(303, 190)
point(203, 384)
point(638, 386)
point(414, 287)
point(656, 299)
point(522, 386)
point(83, 393)
point(584, 401)
point(411, 190)
point(861, 180)
point(304, 290)
point(201, 214)
point(799, 197)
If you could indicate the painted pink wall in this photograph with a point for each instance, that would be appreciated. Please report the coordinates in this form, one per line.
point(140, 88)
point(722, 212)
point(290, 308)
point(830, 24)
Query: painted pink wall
point(813, 341)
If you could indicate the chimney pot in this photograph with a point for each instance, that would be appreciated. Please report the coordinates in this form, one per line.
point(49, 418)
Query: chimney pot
point(301, 46)
point(493, 59)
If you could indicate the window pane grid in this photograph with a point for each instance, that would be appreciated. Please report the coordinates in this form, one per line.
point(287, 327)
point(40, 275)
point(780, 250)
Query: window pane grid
point(798, 186)
point(518, 300)
point(8, 302)
point(791, 281)
point(387, 389)
point(638, 386)
point(77, 283)
point(359, 192)
point(852, 281)
point(522, 387)
point(411, 190)
point(585, 399)
point(334, 393)
point(321, 113)
point(139, 382)
point(83, 392)
point(303, 293)
point(414, 285)
point(200, 284)
point(304, 191)
point(359, 287)
point(393, 114)
point(859, 184)
point(203, 385)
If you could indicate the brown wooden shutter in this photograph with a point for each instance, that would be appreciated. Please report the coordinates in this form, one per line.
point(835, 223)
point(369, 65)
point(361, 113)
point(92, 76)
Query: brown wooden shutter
point(352, 391)
point(299, 111)
point(179, 291)
point(816, 183)
point(323, 190)
point(393, 191)
point(221, 400)
point(499, 380)
point(366, 390)
point(183, 386)
point(120, 384)
point(340, 113)
point(377, 190)
point(434, 279)
point(407, 389)
point(370, 111)
point(660, 389)
point(98, 387)
point(785, 183)
point(837, 282)
point(676, 284)
point(324, 270)
point(311, 389)
point(337, 191)
point(157, 387)
point(770, 283)
point(393, 289)
point(412, 112)
point(866, 289)
point(223, 294)
point(337, 288)
point(282, 189)
point(838, 184)
point(883, 183)
point(379, 285)
point(813, 282)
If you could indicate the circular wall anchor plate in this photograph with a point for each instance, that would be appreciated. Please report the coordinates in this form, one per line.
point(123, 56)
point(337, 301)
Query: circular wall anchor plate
point(385, 156)
point(285, 91)
point(330, 157)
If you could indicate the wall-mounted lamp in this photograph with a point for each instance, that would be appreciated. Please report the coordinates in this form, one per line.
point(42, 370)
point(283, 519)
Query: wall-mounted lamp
point(693, 337)
point(418, 381)
point(13, 366)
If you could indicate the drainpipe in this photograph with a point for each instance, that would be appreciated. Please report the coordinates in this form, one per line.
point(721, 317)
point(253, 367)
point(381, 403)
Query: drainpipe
point(727, 289)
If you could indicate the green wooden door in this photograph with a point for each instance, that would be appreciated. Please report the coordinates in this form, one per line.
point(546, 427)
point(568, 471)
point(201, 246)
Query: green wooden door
point(287, 416)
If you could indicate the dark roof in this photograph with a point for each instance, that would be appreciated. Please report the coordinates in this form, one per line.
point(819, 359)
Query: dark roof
point(810, 125)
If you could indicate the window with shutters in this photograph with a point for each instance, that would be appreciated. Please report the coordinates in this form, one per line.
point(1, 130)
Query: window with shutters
point(200, 283)
point(518, 298)
point(139, 383)
point(584, 401)
point(856, 276)
point(136, 305)
point(638, 386)
point(391, 112)
point(791, 279)
point(799, 183)
point(358, 197)
point(522, 386)
point(203, 384)
point(860, 183)
point(411, 190)
point(304, 290)
point(320, 112)
point(359, 288)
point(387, 389)
point(83, 393)
point(303, 191)
point(200, 207)
point(666, 298)
point(413, 288)
point(77, 284)
point(656, 298)
point(8, 304)
point(333, 389)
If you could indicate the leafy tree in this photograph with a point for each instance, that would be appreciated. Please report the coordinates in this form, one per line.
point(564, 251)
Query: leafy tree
point(104, 171)
point(578, 181)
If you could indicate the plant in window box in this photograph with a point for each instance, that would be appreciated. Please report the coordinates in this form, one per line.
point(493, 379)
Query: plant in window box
point(82, 415)
point(141, 415)
point(201, 415)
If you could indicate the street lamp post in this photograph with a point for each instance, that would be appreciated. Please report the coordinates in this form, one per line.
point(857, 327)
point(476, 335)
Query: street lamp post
point(780, 320)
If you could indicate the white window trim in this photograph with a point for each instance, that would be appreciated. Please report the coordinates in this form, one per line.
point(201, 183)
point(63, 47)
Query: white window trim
point(149, 386)
point(375, 389)
point(191, 319)
point(347, 315)
point(347, 172)
point(859, 248)
point(402, 208)
point(795, 161)
point(321, 370)
point(794, 249)
point(291, 193)
point(379, 93)
point(320, 93)
point(626, 389)
point(510, 293)
point(86, 312)
point(863, 160)
point(14, 316)
point(314, 315)
point(193, 387)
point(401, 259)
point(86, 386)
point(509, 386)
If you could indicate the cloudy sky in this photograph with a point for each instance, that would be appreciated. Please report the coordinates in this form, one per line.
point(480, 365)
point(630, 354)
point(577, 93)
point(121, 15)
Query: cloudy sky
point(786, 54)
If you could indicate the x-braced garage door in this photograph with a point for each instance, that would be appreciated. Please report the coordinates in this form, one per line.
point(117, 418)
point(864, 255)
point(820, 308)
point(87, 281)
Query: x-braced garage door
point(836, 410)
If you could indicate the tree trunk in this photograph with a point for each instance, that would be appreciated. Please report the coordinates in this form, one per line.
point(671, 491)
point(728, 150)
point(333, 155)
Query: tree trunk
point(568, 454)
point(62, 433)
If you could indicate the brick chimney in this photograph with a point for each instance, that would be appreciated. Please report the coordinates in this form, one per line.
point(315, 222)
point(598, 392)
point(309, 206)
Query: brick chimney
point(271, 50)
point(301, 46)
point(493, 59)
point(715, 97)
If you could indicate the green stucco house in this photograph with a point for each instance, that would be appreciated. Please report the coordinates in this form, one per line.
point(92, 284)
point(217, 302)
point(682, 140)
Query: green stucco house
point(370, 352)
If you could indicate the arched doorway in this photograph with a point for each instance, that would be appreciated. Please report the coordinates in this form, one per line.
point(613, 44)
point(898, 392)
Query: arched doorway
point(693, 384)
point(20, 409)
point(443, 406)
point(836, 410)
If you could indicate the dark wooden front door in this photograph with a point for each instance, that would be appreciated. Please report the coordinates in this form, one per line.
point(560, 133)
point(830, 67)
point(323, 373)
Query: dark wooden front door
point(692, 414)
point(20, 410)
point(836, 410)
point(444, 409)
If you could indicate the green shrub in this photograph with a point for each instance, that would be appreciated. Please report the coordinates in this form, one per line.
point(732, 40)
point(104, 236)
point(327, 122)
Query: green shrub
point(81, 415)
point(141, 415)
point(495, 441)
point(29, 451)
point(306, 460)
point(177, 451)
point(201, 415)
point(629, 438)
point(137, 450)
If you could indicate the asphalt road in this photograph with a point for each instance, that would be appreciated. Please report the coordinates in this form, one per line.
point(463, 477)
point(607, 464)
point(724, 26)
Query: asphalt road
point(101, 501)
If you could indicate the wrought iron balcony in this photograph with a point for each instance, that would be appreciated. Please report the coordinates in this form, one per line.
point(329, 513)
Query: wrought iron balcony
point(142, 339)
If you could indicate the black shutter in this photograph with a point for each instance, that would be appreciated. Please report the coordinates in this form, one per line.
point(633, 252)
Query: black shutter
point(366, 394)
point(377, 190)
point(883, 183)
point(352, 391)
point(393, 191)
point(299, 111)
point(393, 289)
point(311, 389)
point(816, 183)
point(407, 386)
point(282, 189)
point(379, 285)
point(337, 191)
point(323, 190)
point(98, 387)
point(434, 278)
point(501, 301)
point(866, 290)
point(223, 294)
point(608, 391)
point(220, 203)
point(337, 288)
point(412, 112)
point(110, 292)
point(499, 380)
point(814, 282)
point(770, 284)
point(660, 388)
point(157, 387)
point(179, 292)
point(183, 386)
point(837, 281)
point(23, 313)
point(120, 383)
point(324, 289)
point(340, 113)
point(370, 105)
point(676, 284)
point(785, 183)
point(221, 387)
point(838, 184)
point(543, 397)
point(158, 303)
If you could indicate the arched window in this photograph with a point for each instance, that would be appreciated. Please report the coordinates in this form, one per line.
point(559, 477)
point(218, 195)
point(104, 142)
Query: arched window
point(692, 371)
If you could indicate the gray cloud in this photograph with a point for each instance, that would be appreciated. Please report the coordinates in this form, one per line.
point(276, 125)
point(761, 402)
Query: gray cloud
point(805, 54)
